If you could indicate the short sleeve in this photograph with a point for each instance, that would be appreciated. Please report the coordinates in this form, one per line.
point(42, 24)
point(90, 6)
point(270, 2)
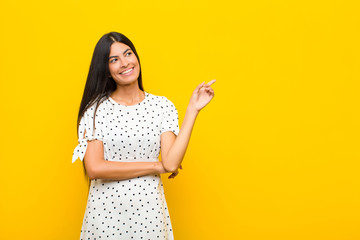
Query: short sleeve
point(87, 123)
point(170, 120)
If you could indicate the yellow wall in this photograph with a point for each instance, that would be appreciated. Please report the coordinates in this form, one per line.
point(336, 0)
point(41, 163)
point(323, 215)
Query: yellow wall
point(275, 155)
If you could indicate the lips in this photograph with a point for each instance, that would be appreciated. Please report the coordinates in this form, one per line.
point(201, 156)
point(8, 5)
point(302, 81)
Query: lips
point(127, 71)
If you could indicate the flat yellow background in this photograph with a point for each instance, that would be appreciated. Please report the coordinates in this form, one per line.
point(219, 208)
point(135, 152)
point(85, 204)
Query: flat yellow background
point(275, 155)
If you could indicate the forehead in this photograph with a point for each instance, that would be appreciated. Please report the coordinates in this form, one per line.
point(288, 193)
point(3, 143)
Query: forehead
point(118, 48)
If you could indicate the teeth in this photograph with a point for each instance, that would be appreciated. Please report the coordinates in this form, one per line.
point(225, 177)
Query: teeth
point(127, 71)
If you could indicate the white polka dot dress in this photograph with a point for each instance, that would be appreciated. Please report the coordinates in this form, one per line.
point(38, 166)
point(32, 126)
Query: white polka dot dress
point(135, 208)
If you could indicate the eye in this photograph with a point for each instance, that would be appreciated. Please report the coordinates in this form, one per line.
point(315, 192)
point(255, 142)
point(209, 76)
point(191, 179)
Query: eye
point(128, 53)
point(112, 60)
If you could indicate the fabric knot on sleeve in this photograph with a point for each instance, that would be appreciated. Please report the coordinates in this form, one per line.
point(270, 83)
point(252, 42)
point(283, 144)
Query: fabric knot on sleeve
point(86, 133)
point(80, 150)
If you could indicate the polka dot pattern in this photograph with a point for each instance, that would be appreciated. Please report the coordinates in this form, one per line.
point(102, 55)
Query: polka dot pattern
point(134, 208)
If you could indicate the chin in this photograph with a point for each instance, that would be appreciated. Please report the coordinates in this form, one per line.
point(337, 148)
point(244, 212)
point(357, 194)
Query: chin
point(126, 82)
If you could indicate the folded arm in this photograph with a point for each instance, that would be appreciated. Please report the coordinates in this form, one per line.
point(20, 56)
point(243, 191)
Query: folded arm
point(99, 168)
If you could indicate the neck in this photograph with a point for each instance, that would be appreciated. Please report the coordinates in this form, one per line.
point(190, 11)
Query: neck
point(128, 94)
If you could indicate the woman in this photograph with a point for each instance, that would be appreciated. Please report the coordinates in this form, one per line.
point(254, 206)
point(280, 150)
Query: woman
point(121, 129)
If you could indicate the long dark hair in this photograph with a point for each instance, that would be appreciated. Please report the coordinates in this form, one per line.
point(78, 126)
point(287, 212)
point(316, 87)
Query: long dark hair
point(99, 84)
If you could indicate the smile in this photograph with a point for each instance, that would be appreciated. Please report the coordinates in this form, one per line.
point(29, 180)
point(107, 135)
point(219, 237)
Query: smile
point(127, 71)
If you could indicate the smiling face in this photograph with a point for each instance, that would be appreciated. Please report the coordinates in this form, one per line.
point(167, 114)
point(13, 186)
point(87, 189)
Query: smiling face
point(123, 64)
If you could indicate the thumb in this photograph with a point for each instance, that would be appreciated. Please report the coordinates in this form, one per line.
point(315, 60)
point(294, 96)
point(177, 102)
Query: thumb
point(199, 86)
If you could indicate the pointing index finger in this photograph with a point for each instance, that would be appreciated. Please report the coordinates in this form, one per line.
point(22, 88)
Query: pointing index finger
point(211, 82)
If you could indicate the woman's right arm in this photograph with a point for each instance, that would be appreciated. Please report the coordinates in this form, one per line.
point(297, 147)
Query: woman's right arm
point(99, 168)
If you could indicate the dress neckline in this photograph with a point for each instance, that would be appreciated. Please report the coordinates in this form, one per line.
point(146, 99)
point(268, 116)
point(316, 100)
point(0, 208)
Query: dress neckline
point(127, 106)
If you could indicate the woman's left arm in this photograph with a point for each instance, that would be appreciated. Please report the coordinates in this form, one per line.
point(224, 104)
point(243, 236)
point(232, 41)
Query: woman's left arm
point(173, 148)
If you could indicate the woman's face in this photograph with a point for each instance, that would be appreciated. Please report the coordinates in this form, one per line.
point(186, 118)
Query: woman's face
point(123, 64)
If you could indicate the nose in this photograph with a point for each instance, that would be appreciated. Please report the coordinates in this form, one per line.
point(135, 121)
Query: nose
point(124, 62)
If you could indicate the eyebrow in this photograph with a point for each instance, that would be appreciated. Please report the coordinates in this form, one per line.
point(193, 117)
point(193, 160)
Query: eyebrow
point(123, 53)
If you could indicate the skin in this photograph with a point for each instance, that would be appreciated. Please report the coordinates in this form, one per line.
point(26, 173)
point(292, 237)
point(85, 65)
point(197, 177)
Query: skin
point(172, 147)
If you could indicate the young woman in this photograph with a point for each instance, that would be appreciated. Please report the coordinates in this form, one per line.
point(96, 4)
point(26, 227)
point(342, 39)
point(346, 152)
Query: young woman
point(121, 130)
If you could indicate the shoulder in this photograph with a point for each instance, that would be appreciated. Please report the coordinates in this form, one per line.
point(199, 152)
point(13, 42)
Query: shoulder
point(100, 108)
point(162, 100)
point(154, 98)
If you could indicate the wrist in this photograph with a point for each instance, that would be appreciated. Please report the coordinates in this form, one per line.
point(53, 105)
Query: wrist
point(192, 110)
point(159, 168)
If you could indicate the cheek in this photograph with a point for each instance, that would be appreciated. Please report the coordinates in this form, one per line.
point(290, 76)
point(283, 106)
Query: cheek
point(135, 61)
point(112, 68)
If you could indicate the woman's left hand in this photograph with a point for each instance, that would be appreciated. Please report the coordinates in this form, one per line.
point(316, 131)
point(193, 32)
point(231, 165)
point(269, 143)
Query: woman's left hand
point(202, 95)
